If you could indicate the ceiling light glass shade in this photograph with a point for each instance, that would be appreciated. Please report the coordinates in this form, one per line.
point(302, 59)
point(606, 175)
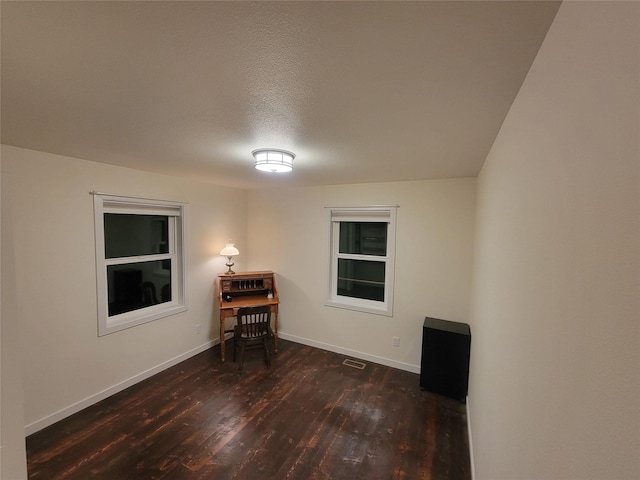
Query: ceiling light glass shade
point(274, 161)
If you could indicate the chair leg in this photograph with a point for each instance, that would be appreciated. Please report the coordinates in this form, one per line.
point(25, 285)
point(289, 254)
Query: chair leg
point(241, 355)
point(235, 346)
point(267, 358)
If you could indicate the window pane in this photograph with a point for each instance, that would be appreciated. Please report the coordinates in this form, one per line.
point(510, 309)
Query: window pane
point(127, 235)
point(138, 285)
point(363, 238)
point(361, 279)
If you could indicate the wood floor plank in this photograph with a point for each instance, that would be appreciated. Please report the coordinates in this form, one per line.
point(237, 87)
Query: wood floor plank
point(307, 417)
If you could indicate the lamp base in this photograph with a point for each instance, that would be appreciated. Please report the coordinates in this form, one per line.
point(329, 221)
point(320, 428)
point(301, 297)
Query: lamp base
point(229, 264)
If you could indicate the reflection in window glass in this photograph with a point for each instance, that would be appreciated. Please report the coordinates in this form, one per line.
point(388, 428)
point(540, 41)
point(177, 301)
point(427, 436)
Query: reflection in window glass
point(138, 285)
point(363, 238)
point(361, 279)
point(127, 235)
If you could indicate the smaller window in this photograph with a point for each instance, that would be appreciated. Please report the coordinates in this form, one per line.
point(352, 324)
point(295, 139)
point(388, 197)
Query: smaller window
point(139, 260)
point(362, 258)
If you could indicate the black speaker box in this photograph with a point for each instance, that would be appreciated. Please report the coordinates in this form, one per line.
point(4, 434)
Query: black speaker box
point(444, 368)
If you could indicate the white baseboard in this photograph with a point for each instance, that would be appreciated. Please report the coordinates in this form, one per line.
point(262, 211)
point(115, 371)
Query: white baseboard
point(87, 402)
point(352, 353)
point(473, 465)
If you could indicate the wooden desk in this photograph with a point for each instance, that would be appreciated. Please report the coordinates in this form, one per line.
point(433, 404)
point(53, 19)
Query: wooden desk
point(246, 289)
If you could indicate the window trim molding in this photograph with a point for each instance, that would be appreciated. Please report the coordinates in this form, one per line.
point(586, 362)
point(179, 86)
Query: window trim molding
point(373, 213)
point(109, 203)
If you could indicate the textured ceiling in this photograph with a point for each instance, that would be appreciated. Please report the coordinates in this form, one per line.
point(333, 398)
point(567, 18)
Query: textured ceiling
point(360, 91)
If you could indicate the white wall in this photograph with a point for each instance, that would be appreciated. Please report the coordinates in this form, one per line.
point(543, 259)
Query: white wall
point(13, 456)
point(555, 362)
point(288, 232)
point(65, 365)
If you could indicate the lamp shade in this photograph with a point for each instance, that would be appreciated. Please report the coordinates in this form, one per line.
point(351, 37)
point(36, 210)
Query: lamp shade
point(229, 250)
point(272, 160)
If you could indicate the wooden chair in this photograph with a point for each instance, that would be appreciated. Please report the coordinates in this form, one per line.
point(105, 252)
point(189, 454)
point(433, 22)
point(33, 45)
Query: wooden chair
point(253, 326)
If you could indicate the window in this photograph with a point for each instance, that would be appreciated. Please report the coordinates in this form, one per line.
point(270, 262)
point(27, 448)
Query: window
point(139, 260)
point(362, 258)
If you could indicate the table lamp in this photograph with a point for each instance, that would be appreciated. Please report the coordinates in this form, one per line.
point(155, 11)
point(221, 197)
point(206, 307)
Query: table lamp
point(229, 251)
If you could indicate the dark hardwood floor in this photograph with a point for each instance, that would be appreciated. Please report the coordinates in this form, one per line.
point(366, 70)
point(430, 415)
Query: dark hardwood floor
point(308, 417)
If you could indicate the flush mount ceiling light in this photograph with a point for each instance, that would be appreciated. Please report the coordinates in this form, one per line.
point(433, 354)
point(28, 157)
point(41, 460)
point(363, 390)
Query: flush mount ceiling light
point(273, 160)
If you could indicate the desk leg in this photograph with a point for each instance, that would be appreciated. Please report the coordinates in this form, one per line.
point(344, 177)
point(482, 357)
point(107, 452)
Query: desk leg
point(222, 319)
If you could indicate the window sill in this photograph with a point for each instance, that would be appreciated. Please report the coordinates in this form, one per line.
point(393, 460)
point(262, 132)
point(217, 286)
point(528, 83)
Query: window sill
point(375, 308)
point(138, 317)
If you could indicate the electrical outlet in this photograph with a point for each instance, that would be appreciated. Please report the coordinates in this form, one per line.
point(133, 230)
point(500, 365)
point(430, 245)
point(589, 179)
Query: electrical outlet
point(396, 341)
point(198, 328)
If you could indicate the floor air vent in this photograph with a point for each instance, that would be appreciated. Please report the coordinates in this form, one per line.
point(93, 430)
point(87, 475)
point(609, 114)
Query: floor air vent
point(354, 363)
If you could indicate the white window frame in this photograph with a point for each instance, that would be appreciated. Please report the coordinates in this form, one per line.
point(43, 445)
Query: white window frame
point(362, 214)
point(176, 213)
